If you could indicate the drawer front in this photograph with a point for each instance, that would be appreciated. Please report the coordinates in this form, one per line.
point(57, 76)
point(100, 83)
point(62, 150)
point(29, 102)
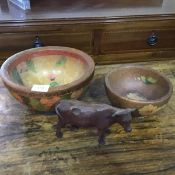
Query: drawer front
point(15, 42)
point(116, 41)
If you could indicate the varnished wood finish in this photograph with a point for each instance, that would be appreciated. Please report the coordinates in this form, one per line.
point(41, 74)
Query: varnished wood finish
point(120, 41)
point(124, 80)
point(28, 144)
point(92, 28)
point(135, 56)
point(41, 70)
point(19, 42)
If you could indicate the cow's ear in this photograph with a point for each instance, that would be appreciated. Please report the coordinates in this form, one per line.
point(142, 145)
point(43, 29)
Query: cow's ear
point(123, 112)
point(75, 111)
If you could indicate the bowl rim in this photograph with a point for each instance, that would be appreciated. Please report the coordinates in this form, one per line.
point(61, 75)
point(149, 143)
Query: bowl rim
point(67, 88)
point(159, 100)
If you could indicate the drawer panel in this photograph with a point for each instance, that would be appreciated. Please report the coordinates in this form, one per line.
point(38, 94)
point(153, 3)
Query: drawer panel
point(14, 42)
point(115, 41)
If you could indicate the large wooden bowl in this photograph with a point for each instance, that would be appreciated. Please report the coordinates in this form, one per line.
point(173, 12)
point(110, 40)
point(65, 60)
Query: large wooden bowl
point(41, 77)
point(138, 87)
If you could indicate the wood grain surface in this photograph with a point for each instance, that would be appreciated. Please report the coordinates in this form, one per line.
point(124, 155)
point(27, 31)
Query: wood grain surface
point(104, 37)
point(28, 145)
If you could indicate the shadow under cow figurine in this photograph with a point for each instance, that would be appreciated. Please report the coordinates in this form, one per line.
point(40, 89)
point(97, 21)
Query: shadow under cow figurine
point(101, 116)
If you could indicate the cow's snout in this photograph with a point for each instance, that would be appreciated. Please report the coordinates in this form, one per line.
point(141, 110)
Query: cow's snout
point(128, 129)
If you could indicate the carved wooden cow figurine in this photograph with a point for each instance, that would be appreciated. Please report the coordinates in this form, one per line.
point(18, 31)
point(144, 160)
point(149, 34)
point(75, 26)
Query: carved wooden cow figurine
point(100, 116)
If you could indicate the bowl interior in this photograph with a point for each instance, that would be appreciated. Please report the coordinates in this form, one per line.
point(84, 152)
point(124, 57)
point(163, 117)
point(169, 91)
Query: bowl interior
point(140, 84)
point(47, 67)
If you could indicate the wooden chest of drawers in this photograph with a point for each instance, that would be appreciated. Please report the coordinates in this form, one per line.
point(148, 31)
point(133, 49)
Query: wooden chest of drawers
point(141, 38)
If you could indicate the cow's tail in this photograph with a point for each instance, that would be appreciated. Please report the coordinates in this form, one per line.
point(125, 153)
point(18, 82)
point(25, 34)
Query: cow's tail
point(58, 112)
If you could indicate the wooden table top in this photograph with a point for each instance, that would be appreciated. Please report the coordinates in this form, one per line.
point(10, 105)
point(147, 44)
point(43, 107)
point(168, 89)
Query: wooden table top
point(28, 144)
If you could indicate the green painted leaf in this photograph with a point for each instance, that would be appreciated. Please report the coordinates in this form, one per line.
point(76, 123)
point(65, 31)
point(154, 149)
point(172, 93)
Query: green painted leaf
point(16, 76)
point(138, 78)
point(54, 84)
point(151, 80)
point(61, 61)
point(143, 78)
point(30, 65)
point(36, 104)
point(147, 80)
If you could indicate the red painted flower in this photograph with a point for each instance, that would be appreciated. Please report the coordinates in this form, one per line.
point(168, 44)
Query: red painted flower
point(52, 76)
point(49, 102)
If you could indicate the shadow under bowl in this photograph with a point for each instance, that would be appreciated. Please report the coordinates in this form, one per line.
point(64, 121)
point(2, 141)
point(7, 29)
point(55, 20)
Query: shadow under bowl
point(138, 87)
point(41, 77)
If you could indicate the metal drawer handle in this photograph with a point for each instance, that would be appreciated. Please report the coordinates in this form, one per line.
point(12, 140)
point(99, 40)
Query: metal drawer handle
point(152, 39)
point(37, 42)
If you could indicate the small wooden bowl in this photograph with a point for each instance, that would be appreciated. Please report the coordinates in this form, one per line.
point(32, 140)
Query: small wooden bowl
point(138, 87)
point(41, 77)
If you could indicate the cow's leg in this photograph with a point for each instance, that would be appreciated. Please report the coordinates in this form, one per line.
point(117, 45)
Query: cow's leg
point(60, 125)
point(101, 136)
point(107, 131)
